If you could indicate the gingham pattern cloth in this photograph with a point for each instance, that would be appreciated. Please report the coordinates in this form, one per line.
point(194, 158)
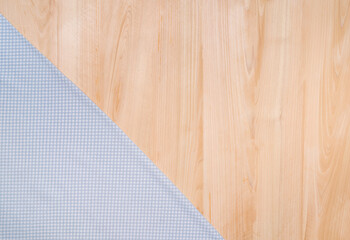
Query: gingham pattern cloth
point(67, 171)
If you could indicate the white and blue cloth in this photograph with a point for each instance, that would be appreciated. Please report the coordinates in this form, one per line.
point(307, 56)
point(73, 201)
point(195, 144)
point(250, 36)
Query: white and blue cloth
point(67, 171)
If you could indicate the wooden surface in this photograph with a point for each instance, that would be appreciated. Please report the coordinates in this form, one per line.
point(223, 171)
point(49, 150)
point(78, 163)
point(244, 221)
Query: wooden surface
point(244, 105)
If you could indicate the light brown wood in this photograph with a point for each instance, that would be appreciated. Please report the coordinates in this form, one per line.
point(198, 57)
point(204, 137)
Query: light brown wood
point(244, 105)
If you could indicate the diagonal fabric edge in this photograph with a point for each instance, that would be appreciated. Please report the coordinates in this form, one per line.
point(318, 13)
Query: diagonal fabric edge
point(67, 171)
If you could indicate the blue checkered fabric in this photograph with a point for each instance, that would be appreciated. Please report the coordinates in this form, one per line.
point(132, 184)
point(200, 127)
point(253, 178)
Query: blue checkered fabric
point(67, 171)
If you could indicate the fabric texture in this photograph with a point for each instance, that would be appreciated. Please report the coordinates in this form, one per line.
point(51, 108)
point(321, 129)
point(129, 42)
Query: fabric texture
point(67, 171)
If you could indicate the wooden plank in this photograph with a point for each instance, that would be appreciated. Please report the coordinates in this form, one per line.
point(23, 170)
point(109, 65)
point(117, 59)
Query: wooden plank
point(244, 105)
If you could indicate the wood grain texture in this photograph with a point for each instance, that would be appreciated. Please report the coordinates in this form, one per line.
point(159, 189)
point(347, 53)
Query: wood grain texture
point(244, 105)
